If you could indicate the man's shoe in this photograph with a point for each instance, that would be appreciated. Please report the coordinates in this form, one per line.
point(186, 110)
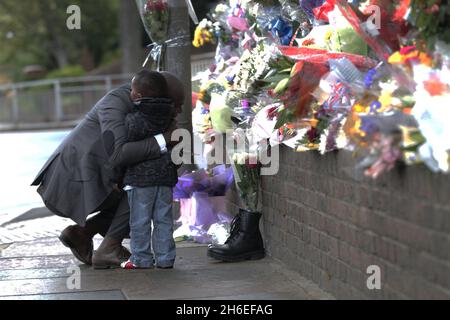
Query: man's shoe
point(79, 243)
point(102, 259)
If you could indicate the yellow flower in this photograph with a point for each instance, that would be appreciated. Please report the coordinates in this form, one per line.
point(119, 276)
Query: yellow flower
point(201, 36)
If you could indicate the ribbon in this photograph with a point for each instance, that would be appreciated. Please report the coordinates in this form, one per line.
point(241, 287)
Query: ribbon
point(156, 49)
point(191, 11)
point(339, 96)
point(381, 49)
point(309, 5)
point(321, 12)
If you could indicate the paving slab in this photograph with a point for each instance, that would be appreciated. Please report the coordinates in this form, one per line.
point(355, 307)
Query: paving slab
point(85, 295)
point(44, 269)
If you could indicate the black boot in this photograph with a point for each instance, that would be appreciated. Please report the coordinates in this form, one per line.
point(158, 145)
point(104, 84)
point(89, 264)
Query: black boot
point(245, 240)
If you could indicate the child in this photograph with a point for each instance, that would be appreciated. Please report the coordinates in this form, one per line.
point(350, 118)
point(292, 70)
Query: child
point(149, 183)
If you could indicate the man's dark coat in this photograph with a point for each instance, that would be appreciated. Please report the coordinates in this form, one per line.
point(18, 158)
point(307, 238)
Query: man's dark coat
point(80, 175)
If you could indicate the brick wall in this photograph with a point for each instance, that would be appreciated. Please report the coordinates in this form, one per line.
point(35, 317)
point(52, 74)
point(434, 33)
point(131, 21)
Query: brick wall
point(330, 224)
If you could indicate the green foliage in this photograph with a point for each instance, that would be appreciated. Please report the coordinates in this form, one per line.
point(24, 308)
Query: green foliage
point(284, 116)
point(432, 24)
point(35, 32)
point(69, 71)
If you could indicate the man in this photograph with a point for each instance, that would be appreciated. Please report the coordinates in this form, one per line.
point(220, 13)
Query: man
point(79, 177)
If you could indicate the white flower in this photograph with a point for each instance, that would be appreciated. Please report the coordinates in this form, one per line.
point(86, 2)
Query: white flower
point(240, 158)
point(433, 114)
point(221, 8)
point(323, 142)
point(341, 140)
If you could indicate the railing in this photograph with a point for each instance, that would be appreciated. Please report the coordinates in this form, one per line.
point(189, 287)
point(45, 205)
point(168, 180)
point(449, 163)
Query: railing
point(55, 101)
point(62, 102)
point(201, 62)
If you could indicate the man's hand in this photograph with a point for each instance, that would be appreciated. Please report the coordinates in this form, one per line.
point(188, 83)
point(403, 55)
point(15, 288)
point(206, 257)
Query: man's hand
point(168, 134)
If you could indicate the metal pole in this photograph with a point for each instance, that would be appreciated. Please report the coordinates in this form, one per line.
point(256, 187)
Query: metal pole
point(178, 58)
point(108, 84)
point(15, 106)
point(58, 104)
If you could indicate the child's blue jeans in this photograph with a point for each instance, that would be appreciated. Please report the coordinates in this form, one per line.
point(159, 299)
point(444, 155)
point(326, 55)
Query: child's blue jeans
point(146, 205)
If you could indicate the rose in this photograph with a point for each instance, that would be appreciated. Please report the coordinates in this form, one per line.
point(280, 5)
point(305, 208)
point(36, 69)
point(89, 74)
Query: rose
point(156, 19)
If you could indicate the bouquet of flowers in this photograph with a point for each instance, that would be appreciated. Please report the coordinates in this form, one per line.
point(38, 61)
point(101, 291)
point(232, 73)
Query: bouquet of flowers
point(204, 33)
point(247, 176)
point(214, 182)
point(155, 16)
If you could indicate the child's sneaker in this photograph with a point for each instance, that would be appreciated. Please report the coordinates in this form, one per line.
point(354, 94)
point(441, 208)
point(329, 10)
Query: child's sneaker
point(128, 265)
point(165, 267)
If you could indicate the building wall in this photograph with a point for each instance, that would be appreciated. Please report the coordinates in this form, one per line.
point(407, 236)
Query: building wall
point(329, 224)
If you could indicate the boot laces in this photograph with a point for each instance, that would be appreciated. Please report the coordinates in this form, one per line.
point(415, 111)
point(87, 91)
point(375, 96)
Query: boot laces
point(234, 228)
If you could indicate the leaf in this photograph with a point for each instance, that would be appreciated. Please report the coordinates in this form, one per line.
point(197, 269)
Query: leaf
point(271, 73)
point(277, 78)
point(287, 70)
point(283, 118)
point(417, 137)
point(282, 85)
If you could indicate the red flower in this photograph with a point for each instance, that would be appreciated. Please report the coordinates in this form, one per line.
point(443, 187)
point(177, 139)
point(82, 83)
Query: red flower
point(160, 6)
point(149, 6)
point(251, 165)
point(434, 86)
point(272, 113)
point(407, 49)
point(308, 42)
point(251, 162)
point(312, 134)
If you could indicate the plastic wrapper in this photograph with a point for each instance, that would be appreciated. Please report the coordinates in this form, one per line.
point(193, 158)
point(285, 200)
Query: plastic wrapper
point(344, 71)
point(277, 22)
point(220, 113)
point(263, 126)
point(309, 5)
point(298, 96)
point(214, 184)
point(246, 167)
point(203, 218)
point(386, 41)
point(247, 177)
point(321, 13)
point(432, 112)
point(200, 209)
point(322, 56)
point(201, 122)
point(318, 38)
point(344, 38)
point(155, 17)
point(219, 232)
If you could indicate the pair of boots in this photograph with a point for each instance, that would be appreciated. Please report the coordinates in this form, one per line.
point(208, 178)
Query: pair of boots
point(245, 241)
point(109, 254)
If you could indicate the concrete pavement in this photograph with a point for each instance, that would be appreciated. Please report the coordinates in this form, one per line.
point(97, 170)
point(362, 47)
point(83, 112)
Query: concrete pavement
point(43, 269)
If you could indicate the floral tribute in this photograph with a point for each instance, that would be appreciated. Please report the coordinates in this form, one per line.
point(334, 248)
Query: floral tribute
point(318, 76)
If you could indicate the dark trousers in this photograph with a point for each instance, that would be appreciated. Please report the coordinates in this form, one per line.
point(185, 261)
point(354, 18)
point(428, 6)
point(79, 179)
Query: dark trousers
point(113, 220)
